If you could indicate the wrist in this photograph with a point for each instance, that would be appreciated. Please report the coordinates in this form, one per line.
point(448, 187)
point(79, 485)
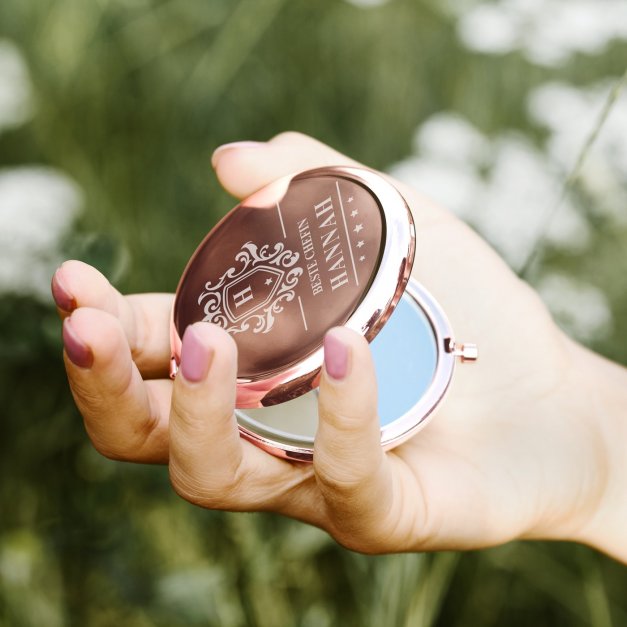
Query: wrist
point(607, 413)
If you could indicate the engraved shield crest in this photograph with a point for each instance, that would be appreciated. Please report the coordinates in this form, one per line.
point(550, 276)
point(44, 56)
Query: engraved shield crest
point(249, 295)
point(251, 292)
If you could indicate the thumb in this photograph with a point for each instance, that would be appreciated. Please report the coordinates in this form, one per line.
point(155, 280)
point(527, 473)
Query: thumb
point(245, 167)
point(351, 468)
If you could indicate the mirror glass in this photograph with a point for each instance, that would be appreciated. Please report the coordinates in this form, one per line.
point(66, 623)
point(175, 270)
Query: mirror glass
point(405, 356)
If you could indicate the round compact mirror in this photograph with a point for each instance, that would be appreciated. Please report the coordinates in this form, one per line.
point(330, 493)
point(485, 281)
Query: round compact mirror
point(322, 248)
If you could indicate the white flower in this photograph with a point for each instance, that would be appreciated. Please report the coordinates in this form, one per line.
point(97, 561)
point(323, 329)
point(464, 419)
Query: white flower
point(453, 187)
point(15, 87)
point(450, 138)
point(506, 188)
point(490, 28)
point(570, 114)
point(547, 32)
point(515, 212)
point(580, 308)
point(37, 209)
point(449, 150)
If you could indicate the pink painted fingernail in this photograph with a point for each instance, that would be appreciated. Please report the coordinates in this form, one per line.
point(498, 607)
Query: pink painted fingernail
point(335, 356)
point(62, 297)
point(196, 357)
point(79, 353)
point(232, 146)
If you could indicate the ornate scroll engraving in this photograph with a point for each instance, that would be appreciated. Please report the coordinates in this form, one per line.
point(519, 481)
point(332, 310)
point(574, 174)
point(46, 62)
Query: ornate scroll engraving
point(249, 296)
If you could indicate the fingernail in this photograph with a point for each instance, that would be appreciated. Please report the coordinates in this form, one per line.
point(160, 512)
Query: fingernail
point(79, 353)
point(233, 145)
point(195, 357)
point(335, 356)
point(62, 297)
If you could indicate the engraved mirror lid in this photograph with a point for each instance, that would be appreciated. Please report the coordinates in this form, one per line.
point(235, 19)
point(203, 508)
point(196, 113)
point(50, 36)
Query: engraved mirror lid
point(322, 248)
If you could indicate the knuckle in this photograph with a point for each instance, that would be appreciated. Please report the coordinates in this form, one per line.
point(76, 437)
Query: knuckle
point(339, 418)
point(186, 486)
point(138, 330)
point(87, 399)
point(344, 481)
point(288, 137)
point(356, 543)
point(145, 431)
point(221, 491)
point(106, 450)
point(352, 533)
point(134, 442)
point(187, 428)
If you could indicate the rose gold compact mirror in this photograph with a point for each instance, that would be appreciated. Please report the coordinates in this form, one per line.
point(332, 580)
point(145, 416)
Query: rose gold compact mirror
point(322, 248)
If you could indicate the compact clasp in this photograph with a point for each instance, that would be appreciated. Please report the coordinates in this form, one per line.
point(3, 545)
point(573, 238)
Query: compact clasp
point(466, 352)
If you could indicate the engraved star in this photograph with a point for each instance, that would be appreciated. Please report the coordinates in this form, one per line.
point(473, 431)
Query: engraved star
point(358, 228)
point(350, 199)
point(360, 243)
point(362, 258)
point(354, 212)
point(268, 281)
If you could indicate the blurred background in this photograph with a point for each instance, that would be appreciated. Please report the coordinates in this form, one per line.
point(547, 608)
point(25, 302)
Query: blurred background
point(513, 113)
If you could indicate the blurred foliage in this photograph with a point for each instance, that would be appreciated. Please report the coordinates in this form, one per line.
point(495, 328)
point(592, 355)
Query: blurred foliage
point(131, 99)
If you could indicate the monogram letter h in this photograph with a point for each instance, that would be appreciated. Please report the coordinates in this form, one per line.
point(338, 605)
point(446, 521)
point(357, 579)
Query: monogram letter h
point(243, 297)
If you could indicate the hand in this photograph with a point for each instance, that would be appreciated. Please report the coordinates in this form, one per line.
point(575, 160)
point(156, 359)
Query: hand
point(515, 451)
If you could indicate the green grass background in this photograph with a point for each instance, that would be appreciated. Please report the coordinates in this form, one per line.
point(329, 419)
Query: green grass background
point(132, 97)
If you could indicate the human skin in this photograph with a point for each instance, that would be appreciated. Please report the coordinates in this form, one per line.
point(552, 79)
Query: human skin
point(530, 442)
